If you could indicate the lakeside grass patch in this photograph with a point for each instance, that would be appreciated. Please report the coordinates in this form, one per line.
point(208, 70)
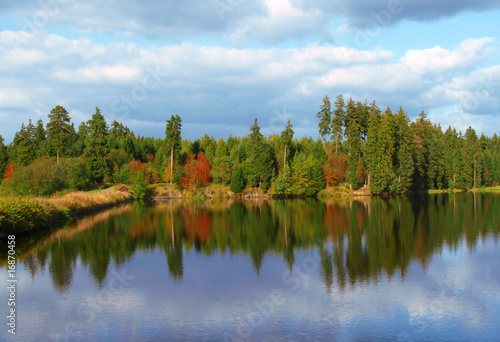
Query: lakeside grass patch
point(24, 214)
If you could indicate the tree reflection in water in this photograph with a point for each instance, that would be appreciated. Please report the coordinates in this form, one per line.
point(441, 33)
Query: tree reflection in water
point(358, 239)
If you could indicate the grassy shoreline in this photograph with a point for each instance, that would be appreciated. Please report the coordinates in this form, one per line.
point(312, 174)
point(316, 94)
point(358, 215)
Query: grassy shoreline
point(25, 214)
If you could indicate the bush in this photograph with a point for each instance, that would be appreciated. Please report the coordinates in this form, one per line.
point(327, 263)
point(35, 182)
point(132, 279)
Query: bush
point(41, 178)
point(76, 173)
point(19, 215)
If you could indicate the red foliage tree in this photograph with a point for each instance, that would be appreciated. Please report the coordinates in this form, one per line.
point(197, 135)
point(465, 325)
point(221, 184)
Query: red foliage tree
point(334, 170)
point(9, 170)
point(197, 171)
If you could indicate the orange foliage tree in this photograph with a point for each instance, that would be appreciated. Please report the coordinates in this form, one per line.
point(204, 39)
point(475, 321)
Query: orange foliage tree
point(197, 171)
point(334, 170)
point(9, 170)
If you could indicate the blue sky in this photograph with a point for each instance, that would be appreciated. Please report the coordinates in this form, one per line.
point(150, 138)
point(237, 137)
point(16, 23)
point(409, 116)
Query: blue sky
point(221, 63)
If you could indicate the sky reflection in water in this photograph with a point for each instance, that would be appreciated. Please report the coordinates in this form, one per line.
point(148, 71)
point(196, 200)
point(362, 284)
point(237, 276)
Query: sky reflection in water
point(420, 269)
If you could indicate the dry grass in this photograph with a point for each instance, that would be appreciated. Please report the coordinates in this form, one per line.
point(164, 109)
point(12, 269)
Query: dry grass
point(23, 214)
point(81, 201)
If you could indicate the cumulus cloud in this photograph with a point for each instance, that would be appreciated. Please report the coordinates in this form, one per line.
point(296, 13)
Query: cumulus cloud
point(360, 13)
point(219, 90)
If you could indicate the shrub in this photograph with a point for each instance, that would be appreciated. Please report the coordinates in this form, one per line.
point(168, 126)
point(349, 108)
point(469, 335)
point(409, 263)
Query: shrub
point(76, 173)
point(41, 178)
point(19, 215)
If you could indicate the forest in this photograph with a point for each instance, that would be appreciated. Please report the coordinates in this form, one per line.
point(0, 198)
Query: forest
point(359, 145)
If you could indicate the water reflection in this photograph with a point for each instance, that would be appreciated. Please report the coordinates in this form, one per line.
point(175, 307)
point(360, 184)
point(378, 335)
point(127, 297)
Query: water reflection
point(359, 240)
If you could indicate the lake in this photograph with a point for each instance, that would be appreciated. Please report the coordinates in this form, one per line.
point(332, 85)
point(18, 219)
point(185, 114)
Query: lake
point(422, 268)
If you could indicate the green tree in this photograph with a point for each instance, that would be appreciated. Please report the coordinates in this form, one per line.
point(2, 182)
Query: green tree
point(4, 157)
point(96, 146)
point(222, 164)
point(353, 135)
point(283, 183)
point(259, 165)
point(173, 139)
point(404, 147)
point(25, 147)
point(325, 117)
point(338, 120)
point(374, 151)
point(41, 139)
point(59, 130)
point(237, 181)
point(286, 137)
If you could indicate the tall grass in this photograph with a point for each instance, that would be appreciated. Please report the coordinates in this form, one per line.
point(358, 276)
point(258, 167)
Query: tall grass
point(22, 214)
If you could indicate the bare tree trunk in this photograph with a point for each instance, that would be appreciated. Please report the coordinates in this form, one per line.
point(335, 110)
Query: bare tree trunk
point(337, 143)
point(171, 165)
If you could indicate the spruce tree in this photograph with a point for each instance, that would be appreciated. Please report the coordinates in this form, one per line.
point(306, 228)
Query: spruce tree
point(325, 117)
point(338, 120)
point(25, 147)
point(173, 139)
point(237, 181)
point(260, 161)
point(96, 146)
point(59, 130)
point(404, 147)
point(286, 138)
point(4, 157)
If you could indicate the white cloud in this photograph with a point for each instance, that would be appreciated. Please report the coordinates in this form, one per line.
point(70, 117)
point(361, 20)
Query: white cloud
point(229, 86)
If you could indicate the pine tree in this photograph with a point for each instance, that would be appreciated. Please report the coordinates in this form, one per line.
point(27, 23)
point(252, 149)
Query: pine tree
point(286, 138)
point(338, 120)
point(325, 117)
point(283, 183)
point(4, 158)
point(260, 165)
point(373, 155)
point(221, 172)
point(25, 147)
point(404, 147)
point(353, 135)
point(237, 181)
point(40, 139)
point(173, 139)
point(96, 146)
point(59, 130)
point(470, 158)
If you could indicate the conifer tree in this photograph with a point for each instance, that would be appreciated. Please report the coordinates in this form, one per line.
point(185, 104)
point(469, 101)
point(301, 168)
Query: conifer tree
point(353, 134)
point(325, 117)
point(59, 130)
point(221, 171)
point(260, 165)
point(338, 120)
point(96, 146)
point(286, 137)
point(404, 147)
point(25, 147)
point(173, 139)
point(4, 158)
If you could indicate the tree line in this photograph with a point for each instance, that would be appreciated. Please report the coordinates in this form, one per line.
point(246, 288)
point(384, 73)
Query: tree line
point(359, 145)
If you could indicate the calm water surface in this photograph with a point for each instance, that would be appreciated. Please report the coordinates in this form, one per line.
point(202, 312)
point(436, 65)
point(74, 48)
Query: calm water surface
point(418, 269)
